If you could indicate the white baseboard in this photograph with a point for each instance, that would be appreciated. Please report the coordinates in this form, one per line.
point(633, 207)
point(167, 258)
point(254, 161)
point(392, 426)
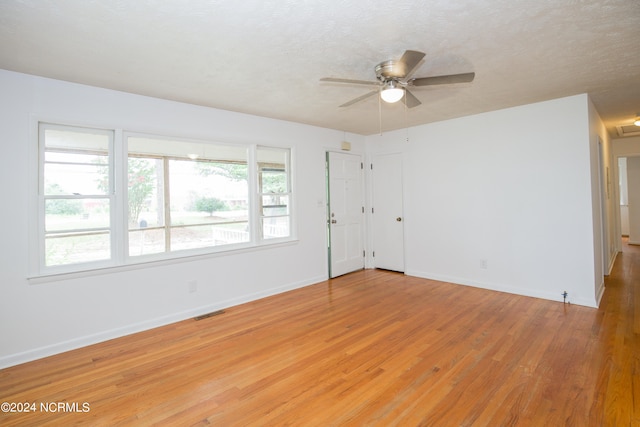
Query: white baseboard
point(502, 288)
point(61, 347)
point(599, 294)
point(612, 261)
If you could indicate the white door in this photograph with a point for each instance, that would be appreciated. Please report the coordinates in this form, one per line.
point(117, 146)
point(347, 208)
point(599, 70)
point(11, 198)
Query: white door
point(387, 212)
point(346, 213)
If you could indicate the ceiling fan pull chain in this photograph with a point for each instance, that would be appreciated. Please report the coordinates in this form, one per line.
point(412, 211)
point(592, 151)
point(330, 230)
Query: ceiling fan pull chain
point(380, 114)
point(406, 115)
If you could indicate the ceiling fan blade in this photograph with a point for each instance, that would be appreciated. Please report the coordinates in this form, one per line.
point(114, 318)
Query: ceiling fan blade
point(360, 98)
point(410, 59)
point(410, 100)
point(442, 80)
point(356, 82)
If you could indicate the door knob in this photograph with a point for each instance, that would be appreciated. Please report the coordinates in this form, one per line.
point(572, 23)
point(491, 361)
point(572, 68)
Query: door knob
point(398, 219)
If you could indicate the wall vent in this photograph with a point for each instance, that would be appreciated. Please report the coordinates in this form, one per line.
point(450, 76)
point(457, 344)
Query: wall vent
point(628, 130)
point(204, 316)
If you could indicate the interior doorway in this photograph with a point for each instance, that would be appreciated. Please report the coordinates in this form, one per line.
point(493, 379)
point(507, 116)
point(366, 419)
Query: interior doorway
point(632, 198)
point(387, 212)
point(624, 196)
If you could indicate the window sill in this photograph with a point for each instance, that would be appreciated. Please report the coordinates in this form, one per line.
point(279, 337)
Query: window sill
point(148, 263)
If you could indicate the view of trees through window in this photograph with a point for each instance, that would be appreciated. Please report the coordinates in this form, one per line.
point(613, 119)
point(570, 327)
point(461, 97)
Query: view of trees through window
point(180, 195)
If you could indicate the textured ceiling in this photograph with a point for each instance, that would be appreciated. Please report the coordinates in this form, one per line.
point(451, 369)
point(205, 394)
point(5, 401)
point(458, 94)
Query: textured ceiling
point(265, 57)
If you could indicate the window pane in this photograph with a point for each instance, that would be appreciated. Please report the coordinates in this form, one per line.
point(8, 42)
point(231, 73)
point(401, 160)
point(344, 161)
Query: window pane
point(273, 181)
point(145, 195)
point(275, 227)
point(77, 248)
point(273, 205)
point(226, 234)
point(76, 156)
point(201, 236)
point(77, 140)
point(273, 171)
point(144, 241)
point(206, 191)
point(78, 179)
point(76, 162)
point(76, 214)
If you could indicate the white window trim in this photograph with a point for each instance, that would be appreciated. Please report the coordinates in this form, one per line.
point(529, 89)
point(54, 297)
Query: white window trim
point(120, 260)
point(258, 204)
point(148, 263)
point(42, 269)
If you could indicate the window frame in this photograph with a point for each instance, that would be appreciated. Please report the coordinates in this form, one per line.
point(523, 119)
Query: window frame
point(260, 194)
point(120, 258)
point(42, 198)
point(166, 158)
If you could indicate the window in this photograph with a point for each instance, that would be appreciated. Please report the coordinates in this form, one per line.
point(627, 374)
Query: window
point(185, 195)
point(274, 192)
point(76, 195)
point(165, 198)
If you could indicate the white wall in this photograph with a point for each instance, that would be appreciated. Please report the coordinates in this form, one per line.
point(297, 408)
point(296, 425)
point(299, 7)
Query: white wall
point(512, 187)
point(45, 318)
point(603, 200)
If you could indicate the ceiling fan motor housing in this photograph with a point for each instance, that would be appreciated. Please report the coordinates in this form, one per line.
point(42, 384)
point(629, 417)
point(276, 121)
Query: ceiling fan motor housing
point(389, 70)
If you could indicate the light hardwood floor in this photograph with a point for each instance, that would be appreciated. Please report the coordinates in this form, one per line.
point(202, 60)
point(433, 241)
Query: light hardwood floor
point(368, 348)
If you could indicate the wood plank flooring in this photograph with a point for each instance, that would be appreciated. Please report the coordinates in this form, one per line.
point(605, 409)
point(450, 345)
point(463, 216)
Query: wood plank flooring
point(369, 348)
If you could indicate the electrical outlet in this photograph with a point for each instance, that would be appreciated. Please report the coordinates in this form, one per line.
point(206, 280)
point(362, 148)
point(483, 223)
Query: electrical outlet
point(193, 286)
point(483, 264)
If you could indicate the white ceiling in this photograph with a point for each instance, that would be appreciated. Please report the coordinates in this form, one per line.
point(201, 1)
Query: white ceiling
point(265, 57)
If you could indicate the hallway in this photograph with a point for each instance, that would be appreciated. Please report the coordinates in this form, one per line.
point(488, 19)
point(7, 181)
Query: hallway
point(619, 310)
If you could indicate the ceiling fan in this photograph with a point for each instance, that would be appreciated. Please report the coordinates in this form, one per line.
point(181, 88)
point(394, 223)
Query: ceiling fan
point(394, 79)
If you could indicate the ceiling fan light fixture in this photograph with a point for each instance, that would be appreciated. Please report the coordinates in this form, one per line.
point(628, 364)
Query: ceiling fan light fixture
point(391, 92)
point(637, 120)
point(394, 78)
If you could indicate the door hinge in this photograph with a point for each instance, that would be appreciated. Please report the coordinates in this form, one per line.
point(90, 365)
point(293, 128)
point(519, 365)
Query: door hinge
point(374, 254)
point(361, 165)
point(371, 210)
point(363, 254)
point(363, 209)
point(371, 166)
